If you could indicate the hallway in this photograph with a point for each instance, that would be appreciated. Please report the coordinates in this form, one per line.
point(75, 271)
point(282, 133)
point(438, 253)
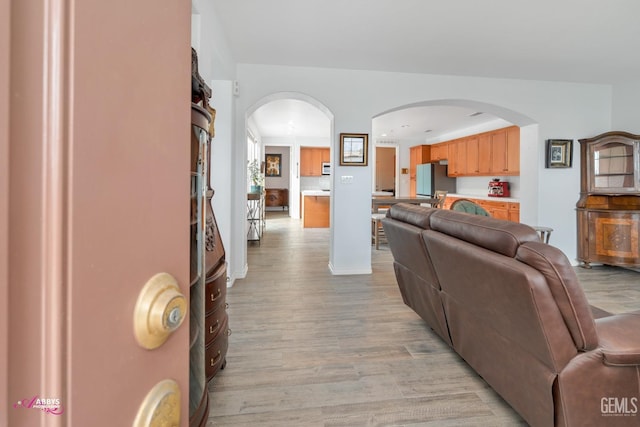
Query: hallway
point(312, 349)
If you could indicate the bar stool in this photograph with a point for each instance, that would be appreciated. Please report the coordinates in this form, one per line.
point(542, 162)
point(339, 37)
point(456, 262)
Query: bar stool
point(377, 230)
point(544, 232)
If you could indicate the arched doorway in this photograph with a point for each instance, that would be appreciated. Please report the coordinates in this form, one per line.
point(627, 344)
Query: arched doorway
point(280, 125)
point(440, 120)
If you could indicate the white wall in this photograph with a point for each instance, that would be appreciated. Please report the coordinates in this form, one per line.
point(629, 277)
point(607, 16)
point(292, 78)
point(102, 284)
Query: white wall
point(556, 110)
point(214, 56)
point(626, 109)
point(221, 162)
point(281, 181)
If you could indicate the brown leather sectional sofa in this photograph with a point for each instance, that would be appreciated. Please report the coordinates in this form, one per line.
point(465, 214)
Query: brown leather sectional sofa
point(513, 309)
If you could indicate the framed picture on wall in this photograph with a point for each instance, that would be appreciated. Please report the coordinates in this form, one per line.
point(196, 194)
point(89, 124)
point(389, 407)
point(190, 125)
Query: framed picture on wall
point(559, 153)
point(353, 149)
point(273, 165)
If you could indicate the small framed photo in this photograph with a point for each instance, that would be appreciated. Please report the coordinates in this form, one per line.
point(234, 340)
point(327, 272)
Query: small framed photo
point(273, 165)
point(353, 149)
point(559, 153)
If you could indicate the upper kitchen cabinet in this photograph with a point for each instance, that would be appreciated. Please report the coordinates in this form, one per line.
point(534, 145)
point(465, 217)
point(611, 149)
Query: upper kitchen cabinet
point(608, 212)
point(493, 153)
point(484, 154)
point(439, 152)
point(505, 151)
point(472, 161)
point(458, 157)
point(311, 159)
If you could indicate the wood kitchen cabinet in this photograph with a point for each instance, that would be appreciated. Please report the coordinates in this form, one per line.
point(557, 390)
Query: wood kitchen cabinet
point(458, 157)
point(316, 212)
point(472, 165)
point(505, 151)
point(497, 209)
point(418, 155)
point(439, 152)
point(311, 159)
point(608, 211)
point(514, 212)
point(484, 154)
point(493, 153)
point(500, 209)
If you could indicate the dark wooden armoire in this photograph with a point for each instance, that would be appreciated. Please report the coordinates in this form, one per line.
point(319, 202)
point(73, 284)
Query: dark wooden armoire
point(209, 328)
point(609, 207)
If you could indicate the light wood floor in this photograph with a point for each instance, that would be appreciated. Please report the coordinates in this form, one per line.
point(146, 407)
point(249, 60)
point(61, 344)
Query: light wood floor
point(312, 349)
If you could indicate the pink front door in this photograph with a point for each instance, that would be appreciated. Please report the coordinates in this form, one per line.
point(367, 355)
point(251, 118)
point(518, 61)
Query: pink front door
point(98, 203)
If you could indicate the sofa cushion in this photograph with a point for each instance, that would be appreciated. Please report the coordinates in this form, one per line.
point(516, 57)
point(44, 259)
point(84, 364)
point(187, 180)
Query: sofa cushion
point(497, 235)
point(405, 241)
point(411, 214)
point(565, 288)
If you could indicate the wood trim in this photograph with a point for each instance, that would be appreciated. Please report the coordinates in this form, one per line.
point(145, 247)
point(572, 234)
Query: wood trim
point(4, 210)
point(38, 143)
point(55, 148)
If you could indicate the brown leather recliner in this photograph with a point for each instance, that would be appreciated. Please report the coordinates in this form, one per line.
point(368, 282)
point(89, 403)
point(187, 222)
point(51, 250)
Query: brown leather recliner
point(513, 308)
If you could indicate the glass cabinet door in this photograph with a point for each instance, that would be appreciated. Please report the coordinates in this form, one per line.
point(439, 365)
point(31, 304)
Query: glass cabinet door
point(614, 167)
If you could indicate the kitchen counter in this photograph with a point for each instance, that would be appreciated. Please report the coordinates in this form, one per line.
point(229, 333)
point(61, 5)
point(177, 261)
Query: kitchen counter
point(323, 193)
point(484, 197)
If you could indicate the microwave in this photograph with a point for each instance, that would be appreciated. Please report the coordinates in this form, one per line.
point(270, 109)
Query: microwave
point(326, 168)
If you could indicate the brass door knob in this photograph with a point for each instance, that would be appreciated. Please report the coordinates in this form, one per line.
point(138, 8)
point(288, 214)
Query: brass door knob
point(161, 406)
point(161, 308)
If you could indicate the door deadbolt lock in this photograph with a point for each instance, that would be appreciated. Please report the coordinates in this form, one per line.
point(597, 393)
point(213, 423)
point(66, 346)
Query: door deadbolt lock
point(160, 310)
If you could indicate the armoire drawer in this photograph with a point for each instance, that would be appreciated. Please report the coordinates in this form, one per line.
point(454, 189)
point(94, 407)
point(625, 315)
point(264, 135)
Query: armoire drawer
point(215, 289)
point(214, 324)
point(216, 351)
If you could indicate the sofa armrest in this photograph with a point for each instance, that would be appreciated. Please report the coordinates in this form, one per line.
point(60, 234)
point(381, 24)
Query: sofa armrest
point(619, 339)
point(622, 358)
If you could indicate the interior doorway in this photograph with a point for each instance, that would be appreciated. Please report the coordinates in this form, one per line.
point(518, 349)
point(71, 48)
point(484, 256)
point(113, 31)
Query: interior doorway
point(386, 170)
point(282, 124)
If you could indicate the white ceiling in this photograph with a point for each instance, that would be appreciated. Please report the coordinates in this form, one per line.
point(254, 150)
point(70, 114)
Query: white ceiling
point(592, 41)
point(291, 118)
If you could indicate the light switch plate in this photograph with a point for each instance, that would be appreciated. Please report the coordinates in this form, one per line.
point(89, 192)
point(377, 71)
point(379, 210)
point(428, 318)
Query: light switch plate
point(346, 179)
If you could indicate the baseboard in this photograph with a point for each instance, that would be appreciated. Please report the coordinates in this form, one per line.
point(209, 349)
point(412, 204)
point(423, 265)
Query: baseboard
point(231, 279)
point(345, 272)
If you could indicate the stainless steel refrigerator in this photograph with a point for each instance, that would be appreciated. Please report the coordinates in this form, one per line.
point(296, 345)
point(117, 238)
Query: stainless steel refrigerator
point(431, 177)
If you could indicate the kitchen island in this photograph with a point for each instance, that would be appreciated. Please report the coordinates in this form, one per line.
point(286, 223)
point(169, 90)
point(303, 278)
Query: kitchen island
point(315, 208)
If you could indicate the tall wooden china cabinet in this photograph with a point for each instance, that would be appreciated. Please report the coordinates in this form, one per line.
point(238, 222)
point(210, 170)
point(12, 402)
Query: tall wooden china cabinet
point(609, 207)
point(208, 317)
